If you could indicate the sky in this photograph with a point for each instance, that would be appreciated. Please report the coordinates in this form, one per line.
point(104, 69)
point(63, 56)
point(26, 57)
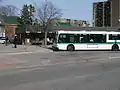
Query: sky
point(72, 9)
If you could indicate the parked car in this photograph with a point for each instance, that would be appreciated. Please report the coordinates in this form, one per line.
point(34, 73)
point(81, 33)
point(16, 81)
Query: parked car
point(2, 40)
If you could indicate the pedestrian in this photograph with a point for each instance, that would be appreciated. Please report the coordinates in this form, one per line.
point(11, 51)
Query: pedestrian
point(15, 39)
point(6, 40)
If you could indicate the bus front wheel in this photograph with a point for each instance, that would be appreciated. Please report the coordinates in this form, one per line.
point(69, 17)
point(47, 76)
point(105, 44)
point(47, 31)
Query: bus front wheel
point(115, 47)
point(70, 47)
point(55, 49)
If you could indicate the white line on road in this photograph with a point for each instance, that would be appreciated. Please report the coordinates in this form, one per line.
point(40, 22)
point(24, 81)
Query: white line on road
point(114, 57)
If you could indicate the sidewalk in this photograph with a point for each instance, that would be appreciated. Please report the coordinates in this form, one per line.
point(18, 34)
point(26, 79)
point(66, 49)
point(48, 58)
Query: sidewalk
point(22, 48)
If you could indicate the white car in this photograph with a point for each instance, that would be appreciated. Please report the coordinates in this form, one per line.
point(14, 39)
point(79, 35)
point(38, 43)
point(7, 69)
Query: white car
point(2, 40)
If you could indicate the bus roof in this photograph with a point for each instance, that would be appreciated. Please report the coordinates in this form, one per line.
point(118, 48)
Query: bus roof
point(88, 32)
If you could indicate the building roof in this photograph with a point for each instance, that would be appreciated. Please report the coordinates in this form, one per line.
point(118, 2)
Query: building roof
point(63, 24)
point(11, 20)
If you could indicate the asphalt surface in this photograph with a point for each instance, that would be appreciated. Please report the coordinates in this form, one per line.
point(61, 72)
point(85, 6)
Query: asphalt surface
point(81, 70)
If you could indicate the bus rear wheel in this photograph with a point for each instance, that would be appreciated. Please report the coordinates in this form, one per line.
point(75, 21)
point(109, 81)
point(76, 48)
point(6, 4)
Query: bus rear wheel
point(115, 47)
point(70, 48)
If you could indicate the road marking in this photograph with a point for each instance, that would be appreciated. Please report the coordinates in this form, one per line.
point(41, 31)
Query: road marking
point(114, 57)
point(45, 62)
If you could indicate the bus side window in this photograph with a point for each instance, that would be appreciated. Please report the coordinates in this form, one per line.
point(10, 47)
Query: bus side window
point(81, 38)
point(114, 36)
point(71, 38)
point(99, 38)
point(63, 38)
point(76, 38)
point(118, 36)
point(91, 40)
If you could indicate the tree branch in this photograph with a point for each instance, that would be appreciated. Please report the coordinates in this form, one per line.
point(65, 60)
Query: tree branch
point(47, 12)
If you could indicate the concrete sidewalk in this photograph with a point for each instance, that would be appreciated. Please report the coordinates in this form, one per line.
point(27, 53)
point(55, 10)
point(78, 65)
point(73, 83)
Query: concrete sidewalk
point(22, 48)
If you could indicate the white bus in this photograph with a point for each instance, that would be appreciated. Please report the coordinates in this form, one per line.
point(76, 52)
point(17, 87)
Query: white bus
point(86, 40)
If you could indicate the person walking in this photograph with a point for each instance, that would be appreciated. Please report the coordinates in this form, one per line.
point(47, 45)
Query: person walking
point(15, 40)
point(6, 40)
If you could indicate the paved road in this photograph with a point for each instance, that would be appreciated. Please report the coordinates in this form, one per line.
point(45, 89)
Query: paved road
point(82, 70)
point(21, 48)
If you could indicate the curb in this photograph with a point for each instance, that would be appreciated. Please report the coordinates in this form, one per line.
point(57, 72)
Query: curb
point(46, 47)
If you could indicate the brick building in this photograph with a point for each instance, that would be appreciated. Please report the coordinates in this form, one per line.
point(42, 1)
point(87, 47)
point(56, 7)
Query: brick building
point(8, 25)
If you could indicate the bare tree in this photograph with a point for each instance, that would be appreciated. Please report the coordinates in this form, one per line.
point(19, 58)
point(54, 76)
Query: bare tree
point(46, 13)
point(3, 11)
point(13, 10)
point(8, 10)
